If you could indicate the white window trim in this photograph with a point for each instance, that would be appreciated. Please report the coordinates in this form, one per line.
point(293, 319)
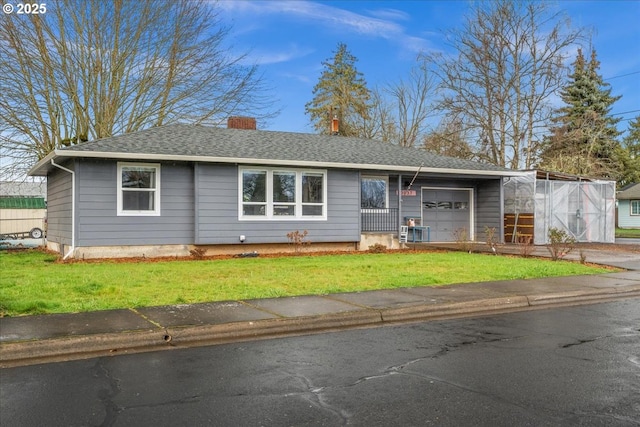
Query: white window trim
point(156, 211)
point(269, 196)
point(386, 202)
point(631, 207)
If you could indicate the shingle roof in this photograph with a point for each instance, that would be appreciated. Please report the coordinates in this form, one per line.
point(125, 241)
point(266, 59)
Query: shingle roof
point(23, 189)
point(221, 144)
point(630, 192)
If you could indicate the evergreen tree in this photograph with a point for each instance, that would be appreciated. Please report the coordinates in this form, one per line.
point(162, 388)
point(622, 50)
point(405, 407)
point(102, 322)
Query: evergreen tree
point(631, 142)
point(583, 142)
point(630, 155)
point(341, 92)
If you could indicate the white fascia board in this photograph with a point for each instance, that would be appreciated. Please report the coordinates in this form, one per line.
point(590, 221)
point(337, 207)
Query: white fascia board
point(46, 160)
point(270, 162)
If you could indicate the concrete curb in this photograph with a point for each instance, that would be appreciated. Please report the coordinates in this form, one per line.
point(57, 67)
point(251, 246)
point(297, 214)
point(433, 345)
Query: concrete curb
point(567, 298)
point(82, 347)
point(417, 313)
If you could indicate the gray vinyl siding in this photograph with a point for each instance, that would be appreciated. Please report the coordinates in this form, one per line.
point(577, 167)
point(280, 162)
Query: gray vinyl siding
point(217, 211)
point(625, 219)
point(489, 208)
point(99, 224)
point(487, 199)
point(59, 206)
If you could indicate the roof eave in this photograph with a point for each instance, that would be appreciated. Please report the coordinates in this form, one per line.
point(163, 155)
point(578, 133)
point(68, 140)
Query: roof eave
point(41, 167)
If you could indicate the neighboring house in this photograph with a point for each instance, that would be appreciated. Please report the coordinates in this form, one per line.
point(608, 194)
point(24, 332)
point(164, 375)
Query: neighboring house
point(629, 206)
point(166, 190)
point(23, 209)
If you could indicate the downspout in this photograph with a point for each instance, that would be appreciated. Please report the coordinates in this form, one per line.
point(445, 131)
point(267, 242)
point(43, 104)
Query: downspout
point(73, 207)
point(503, 182)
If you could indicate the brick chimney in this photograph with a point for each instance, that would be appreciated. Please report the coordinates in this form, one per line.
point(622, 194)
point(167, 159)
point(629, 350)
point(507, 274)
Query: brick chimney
point(237, 122)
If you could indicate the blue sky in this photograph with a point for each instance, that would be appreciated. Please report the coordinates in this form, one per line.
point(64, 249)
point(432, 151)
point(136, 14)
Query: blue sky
point(290, 39)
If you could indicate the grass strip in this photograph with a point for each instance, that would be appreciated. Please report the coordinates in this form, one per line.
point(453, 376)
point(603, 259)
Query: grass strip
point(630, 233)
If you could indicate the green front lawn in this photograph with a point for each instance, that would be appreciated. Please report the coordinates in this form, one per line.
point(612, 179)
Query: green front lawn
point(33, 282)
point(628, 232)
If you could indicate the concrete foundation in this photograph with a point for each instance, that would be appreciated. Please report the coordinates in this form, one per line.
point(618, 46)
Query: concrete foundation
point(387, 239)
point(159, 251)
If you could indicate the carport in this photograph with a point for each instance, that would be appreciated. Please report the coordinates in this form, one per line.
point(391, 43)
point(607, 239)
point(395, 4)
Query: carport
point(538, 201)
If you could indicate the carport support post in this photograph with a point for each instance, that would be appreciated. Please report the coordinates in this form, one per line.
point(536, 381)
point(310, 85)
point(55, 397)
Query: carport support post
point(399, 205)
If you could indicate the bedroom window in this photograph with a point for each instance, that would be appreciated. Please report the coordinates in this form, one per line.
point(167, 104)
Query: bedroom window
point(282, 194)
point(138, 189)
point(635, 207)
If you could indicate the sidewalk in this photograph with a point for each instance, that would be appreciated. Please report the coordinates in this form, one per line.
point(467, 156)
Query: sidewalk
point(48, 338)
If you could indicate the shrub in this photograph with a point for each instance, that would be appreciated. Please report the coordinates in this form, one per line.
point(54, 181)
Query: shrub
point(461, 236)
point(491, 239)
point(525, 245)
point(298, 239)
point(583, 257)
point(560, 243)
point(378, 248)
point(197, 253)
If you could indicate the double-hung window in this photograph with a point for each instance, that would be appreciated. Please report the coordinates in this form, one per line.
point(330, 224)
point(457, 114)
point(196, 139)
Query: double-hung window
point(282, 194)
point(138, 189)
point(635, 207)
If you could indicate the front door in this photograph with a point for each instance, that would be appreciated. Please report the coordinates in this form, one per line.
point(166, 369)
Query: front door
point(447, 211)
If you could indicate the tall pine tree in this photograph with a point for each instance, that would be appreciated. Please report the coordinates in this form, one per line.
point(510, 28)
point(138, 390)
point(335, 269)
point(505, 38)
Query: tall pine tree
point(583, 140)
point(340, 92)
point(631, 142)
point(630, 155)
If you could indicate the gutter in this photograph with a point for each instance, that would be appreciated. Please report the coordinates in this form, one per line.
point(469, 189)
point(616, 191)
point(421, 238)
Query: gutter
point(73, 207)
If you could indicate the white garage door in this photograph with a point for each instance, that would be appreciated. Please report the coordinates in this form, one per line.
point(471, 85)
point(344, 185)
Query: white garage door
point(446, 210)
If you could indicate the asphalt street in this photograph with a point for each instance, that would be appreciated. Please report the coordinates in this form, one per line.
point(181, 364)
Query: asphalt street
point(555, 367)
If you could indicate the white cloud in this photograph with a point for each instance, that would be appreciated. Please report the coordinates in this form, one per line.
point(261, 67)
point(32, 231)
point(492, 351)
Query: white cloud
point(274, 57)
point(380, 25)
point(390, 14)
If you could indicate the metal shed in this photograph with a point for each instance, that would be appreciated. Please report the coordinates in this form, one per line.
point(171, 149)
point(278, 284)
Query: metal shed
point(538, 201)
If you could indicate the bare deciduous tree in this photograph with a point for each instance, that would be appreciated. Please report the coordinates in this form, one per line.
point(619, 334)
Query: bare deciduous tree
point(380, 122)
point(411, 99)
point(399, 111)
point(449, 139)
point(510, 61)
point(90, 69)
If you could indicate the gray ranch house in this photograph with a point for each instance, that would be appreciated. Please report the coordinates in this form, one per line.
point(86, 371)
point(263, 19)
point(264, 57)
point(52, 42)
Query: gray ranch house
point(167, 190)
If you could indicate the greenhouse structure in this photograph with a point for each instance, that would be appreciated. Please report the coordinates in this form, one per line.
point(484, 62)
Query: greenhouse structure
point(538, 201)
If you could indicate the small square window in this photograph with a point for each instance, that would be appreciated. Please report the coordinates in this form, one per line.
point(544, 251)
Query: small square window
point(635, 207)
point(138, 189)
